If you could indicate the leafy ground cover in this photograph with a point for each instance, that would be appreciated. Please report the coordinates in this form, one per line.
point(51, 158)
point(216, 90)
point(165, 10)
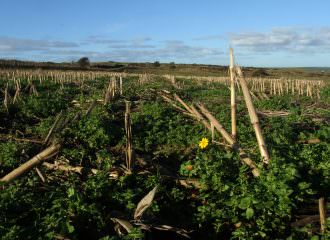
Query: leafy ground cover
point(227, 203)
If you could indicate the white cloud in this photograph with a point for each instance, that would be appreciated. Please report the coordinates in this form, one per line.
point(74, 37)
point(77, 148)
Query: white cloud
point(111, 43)
point(169, 51)
point(298, 40)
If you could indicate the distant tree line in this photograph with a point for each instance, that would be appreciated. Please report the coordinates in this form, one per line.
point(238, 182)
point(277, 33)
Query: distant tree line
point(36, 65)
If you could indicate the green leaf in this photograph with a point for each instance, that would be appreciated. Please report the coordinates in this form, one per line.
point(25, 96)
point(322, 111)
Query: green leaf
point(71, 192)
point(249, 213)
point(245, 203)
point(69, 227)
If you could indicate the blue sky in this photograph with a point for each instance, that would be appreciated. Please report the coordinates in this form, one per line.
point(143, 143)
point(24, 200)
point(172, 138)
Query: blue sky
point(262, 33)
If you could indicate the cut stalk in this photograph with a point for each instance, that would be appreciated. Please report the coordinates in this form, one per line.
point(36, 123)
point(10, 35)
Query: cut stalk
point(80, 170)
point(5, 101)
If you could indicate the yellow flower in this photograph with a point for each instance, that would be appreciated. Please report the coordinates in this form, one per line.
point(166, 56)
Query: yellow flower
point(203, 143)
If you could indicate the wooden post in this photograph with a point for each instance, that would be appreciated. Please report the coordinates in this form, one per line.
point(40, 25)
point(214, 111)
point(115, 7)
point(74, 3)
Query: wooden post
point(212, 131)
point(253, 117)
point(121, 85)
point(108, 91)
point(322, 210)
point(232, 96)
point(129, 144)
point(113, 87)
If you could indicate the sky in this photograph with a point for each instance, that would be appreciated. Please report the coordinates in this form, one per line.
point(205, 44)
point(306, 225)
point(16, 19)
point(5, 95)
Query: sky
point(264, 33)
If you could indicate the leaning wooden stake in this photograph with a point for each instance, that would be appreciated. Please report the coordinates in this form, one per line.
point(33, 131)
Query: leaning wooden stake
point(217, 125)
point(51, 131)
point(40, 174)
point(37, 159)
point(199, 117)
point(232, 96)
point(253, 116)
point(193, 112)
point(170, 101)
point(90, 108)
point(129, 145)
point(183, 104)
point(322, 210)
point(230, 140)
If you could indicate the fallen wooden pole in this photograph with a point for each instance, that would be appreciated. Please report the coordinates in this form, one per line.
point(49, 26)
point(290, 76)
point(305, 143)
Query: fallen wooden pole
point(37, 159)
point(306, 220)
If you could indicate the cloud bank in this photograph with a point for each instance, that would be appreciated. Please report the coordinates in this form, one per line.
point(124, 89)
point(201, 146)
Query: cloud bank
point(10, 44)
point(289, 40)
